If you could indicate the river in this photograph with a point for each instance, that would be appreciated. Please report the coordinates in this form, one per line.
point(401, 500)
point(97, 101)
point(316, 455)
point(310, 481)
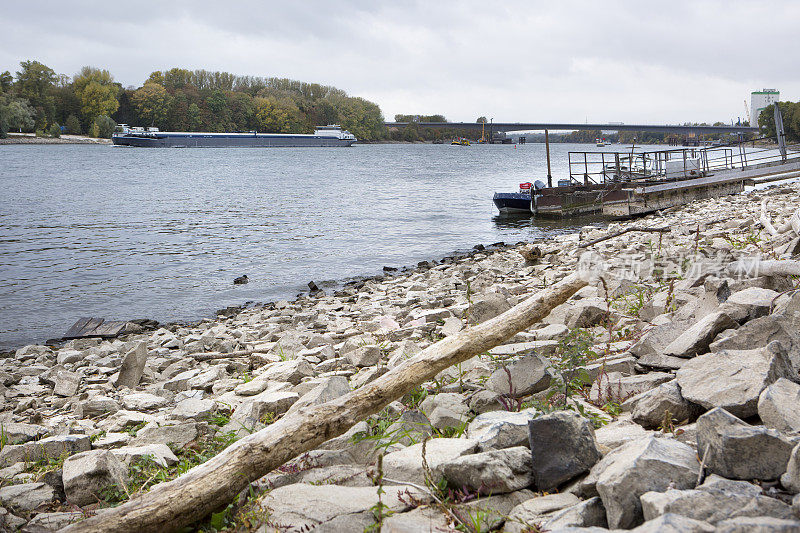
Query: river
point(125, 233)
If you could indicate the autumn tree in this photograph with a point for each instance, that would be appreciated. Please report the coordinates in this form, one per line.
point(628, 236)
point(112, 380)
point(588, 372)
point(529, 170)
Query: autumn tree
point(152, 103)
point(97, 92)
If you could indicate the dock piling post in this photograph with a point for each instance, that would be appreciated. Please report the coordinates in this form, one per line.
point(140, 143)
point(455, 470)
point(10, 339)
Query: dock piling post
point(547, 149)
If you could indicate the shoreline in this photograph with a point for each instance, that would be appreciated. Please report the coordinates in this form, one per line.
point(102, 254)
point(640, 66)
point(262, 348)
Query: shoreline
point(64, 139)
point(668, 344)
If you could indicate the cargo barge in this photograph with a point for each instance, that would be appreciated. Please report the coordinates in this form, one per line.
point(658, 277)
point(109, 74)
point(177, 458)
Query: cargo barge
point(323, 136)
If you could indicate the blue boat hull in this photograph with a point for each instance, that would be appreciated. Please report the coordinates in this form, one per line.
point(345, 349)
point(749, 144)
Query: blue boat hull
point(512, 202)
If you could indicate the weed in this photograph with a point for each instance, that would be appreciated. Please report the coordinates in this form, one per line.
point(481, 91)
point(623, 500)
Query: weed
point(572, 354)
point(135, 429)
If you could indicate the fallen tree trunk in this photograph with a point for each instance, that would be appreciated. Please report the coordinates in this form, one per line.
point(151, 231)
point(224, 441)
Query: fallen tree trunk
point(665, 229)
point(212, 485)
point(769, 267)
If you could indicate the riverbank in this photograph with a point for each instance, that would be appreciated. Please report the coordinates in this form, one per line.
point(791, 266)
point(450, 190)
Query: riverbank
point(30, 138)
point(651, 372)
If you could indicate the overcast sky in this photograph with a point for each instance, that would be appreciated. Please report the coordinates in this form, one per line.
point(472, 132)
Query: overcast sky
point(635, 62)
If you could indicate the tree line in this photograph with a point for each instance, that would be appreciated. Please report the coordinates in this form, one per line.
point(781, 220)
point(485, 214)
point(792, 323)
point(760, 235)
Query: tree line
point(36, 99)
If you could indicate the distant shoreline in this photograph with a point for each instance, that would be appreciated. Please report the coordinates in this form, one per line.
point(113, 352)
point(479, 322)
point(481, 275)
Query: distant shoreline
point(64, 139)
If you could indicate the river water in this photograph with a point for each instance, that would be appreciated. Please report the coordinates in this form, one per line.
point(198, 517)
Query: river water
point(125, 233)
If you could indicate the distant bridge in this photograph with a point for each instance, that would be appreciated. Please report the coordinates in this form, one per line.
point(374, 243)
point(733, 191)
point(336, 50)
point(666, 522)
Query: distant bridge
point(541, 126)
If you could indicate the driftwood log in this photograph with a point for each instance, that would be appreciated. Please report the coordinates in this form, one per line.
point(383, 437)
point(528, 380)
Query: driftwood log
point(665, 229)
point(768, 267)
point(791, 224)
point(212, 485)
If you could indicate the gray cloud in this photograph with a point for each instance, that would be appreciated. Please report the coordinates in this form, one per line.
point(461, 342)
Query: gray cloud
point(569, 61)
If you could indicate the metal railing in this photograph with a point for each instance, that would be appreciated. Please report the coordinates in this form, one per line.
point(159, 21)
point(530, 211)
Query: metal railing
point(595, 168)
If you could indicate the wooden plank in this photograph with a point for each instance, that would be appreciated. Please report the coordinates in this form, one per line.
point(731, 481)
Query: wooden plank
point(84, 327)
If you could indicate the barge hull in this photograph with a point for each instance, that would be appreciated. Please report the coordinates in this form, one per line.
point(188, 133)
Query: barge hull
point(233, 140)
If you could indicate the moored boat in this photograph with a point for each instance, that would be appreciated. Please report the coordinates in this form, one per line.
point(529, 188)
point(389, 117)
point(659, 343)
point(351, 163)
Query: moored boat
point(514, 202)
point(331, 135)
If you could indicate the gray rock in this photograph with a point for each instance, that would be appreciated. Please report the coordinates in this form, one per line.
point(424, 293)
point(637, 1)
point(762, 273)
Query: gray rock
point(88, 473)
point(206, 379)
point(143, 401)
point(66, 383)
point(485, 401)
point(194, 408)
point(695, 340)
point(563, 446)
point(132, 369)
point(55, 521)
point(756, 301)
point(17, 433)
point(490, 306)
point(26, 496)
point(180, 382)
point(619, 432)
point(777, 406)
point(640, 466)
point(791, 478)
point(656, 339)
point(412, 427)
point(292, 371)
point(419, 520)
point(589, 513)
point(364, 356)
point(674, 523)
point(738, 450)
point(97, 405)
point(157, 453)
point(586, 313)
point(758, 524)
point(495, 430)
point(492, 472)
point(522, 377)
point(733, 379)
point(406, 464)
point(47, 448)
point(332, 507)
point(252, 411)
point(712, 505)
point(492, 511)
point(535, 511)
point(665, 401)
point(756, 334)
point(617, 388)
point(330, 389)
point(176, 435)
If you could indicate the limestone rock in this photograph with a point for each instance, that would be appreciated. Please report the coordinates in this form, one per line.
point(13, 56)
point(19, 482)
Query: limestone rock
point(143, 401)
point(194, 408)
point(88, 473)
point(696, 339)
point(758, 524)
point(176, 435)
point(522, 377)
point(616, 387)
point(292, 371)
point(589, 513)
point(330, 389)
point(158, 453)
point(66, 383)
point(535, 511)
point(674, 523)
point(653, 406)
point(640, 466)
point(132, 369)
point(364, 356)
point(738, 450)
point(412, 427)
point(406, 464)
point(733, 379)
point(791, 478)
point(26, 496)
point(778, 406)
point(586, 313)
point(495, 430)
point(492, 472)
point(563, 446)
point(489, 306)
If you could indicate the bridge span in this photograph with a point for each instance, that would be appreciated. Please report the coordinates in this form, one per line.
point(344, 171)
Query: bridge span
point(541, 126)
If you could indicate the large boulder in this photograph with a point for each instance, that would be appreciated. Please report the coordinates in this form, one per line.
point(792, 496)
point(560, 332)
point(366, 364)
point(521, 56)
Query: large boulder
point(616, 387)
point(640, 466)
point(522, 377)
point(663, 402)
point(791, 478)
point(738, 450)
point(26, 496)
point(563, 447)
point(733, 379)
point(495, 430)
point(777, 406)
point(86, 474)
point(490, 306)
point(492, 472)
point(586, 514)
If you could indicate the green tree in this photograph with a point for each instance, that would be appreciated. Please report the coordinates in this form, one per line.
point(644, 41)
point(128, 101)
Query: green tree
point(6, 81)
point(482, 120)
point(35, 82)
point(97, 92)
point(271, 116)
point(19, 115)
point(195, 117)
point(152, 103)
point(55, 130)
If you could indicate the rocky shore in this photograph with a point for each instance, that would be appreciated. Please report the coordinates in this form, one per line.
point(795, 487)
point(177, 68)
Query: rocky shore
point(64, 139)
point(661, 397)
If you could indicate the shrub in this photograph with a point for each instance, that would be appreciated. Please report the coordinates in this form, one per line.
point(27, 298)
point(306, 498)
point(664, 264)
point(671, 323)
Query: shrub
point(73, 125)
point(94, 130)
point(105, 126)
point(55, 130)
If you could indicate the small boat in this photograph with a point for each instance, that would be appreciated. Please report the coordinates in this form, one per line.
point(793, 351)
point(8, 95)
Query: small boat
point(600, 142)
point(515, 202)
point(461, 141)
